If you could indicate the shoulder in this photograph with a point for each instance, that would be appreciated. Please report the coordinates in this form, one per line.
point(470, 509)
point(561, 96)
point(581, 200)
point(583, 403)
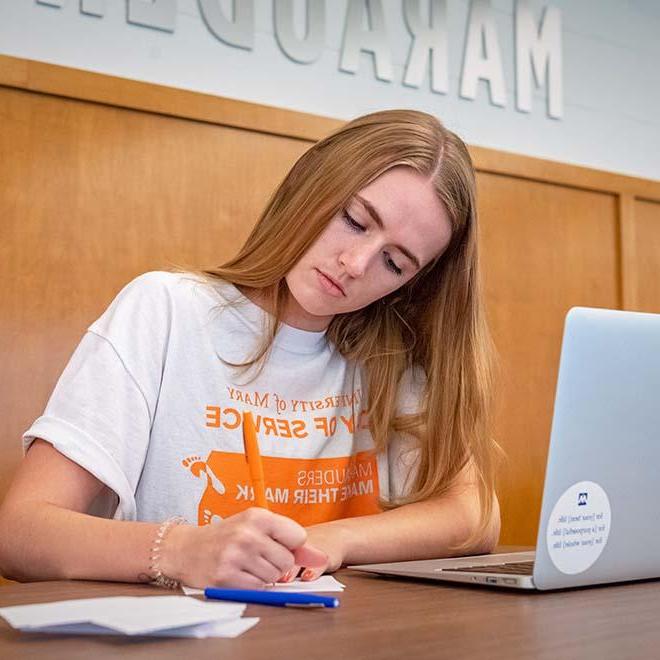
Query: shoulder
point(158, 282)
point(146, 296)
point(154, 288)
point(149, 301)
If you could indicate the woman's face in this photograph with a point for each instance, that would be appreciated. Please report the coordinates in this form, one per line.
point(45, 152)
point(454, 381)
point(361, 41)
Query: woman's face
point(389, 231)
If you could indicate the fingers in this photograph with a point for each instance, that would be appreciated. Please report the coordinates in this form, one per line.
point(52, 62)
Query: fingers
point(290, 575)
point(243, 580)
point(262, 541)
point(254, 548)
point(314, 560)
point(310, 557)
point(263, 570)
point(310, 574)
point(307, 575)
point(284, 530)
point(277, 555)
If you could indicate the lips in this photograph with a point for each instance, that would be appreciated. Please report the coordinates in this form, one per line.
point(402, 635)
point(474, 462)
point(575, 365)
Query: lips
point(332, 281)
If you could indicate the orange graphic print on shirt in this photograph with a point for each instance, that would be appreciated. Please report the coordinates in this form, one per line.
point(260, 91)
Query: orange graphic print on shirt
point(309, 491)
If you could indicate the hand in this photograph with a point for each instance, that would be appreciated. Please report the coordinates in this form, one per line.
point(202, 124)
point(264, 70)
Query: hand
point(247, 550)
point(329, 538)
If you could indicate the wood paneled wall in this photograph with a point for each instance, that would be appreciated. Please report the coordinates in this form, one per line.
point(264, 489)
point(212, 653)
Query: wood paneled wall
point(103, 178)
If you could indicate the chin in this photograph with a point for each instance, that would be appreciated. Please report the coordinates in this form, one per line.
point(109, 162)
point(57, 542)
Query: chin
point(310, 300)
point(316, 308)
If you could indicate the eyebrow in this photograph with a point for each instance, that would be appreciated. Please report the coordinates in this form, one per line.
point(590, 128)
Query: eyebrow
point(379, 221)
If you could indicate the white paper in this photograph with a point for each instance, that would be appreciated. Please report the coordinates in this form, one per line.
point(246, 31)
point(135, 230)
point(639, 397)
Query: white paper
point(232, 628)
point(132, 615)
point(324, 583)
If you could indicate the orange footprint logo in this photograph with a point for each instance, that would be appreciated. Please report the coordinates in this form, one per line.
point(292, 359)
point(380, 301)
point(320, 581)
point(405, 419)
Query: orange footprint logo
point(211, 498)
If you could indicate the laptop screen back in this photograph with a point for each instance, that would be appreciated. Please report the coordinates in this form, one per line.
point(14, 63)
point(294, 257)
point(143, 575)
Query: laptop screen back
point(600, 517)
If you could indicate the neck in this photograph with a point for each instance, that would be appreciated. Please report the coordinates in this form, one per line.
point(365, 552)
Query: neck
point(293, 315)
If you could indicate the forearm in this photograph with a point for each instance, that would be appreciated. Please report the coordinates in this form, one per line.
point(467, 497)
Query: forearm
point(41, 541)
point(422, 530)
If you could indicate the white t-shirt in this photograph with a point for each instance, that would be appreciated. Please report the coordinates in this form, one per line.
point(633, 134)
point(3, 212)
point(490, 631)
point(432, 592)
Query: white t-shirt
point(150, 406)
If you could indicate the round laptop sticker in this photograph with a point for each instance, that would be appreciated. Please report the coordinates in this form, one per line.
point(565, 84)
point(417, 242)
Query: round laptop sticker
point(578, 527)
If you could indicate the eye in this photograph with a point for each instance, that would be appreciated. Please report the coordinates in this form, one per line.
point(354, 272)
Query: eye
point(351, 222)
point(391, 265)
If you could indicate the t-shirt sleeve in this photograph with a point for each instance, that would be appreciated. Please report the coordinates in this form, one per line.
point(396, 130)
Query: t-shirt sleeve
point(403, 451)
point(101, 410)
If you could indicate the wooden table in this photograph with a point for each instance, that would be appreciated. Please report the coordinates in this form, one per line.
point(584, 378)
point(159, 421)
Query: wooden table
point(383, 618)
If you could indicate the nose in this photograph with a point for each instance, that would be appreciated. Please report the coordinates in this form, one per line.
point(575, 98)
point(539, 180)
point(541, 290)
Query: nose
point(355, 260)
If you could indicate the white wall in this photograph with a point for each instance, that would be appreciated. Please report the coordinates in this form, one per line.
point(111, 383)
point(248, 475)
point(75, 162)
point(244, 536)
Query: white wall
point(611, 51)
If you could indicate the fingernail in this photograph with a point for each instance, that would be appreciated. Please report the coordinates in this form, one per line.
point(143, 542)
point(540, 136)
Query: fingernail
point(308, 574)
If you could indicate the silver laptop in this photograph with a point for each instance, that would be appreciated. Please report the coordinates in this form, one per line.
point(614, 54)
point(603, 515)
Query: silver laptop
point(600, 518)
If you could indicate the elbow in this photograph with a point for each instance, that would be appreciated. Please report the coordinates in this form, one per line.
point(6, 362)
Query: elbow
point(481, 538)
point(490, 538)
point(488, 535)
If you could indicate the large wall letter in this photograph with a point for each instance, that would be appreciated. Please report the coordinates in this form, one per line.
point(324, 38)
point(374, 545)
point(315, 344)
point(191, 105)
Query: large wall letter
point(427, 36)
point(477, 64)
point(239, 31)
point(309, 48)
point(373, 39)
point(543, 49)
point(159, 14)
point(51, 3)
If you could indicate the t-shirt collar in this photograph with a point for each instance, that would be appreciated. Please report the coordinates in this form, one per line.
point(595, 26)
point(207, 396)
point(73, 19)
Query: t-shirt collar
point(288, 338)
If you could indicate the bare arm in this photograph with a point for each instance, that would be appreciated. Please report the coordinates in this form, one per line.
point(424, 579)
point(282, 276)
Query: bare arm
point(45, 534)
point(422, 530)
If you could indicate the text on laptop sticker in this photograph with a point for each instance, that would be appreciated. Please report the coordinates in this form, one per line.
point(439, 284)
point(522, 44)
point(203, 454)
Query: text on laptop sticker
point(578, 527)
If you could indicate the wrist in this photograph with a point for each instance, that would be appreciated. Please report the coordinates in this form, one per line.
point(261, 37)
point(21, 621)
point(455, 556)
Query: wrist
point(168, 551)
point(346, 533)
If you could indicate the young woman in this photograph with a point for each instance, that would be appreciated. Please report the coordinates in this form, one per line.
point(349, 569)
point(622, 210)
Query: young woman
point(350, 325)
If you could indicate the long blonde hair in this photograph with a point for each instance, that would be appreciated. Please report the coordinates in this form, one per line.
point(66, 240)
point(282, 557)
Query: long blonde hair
point(434, 322)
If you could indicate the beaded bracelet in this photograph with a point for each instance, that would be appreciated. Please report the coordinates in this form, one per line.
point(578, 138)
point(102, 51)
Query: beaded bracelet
point(159, 578)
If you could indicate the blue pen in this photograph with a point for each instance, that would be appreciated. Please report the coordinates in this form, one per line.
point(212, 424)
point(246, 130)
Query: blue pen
point(278, 599)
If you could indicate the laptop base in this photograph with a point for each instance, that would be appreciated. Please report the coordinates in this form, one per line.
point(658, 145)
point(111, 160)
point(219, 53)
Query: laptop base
point(456, 570)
